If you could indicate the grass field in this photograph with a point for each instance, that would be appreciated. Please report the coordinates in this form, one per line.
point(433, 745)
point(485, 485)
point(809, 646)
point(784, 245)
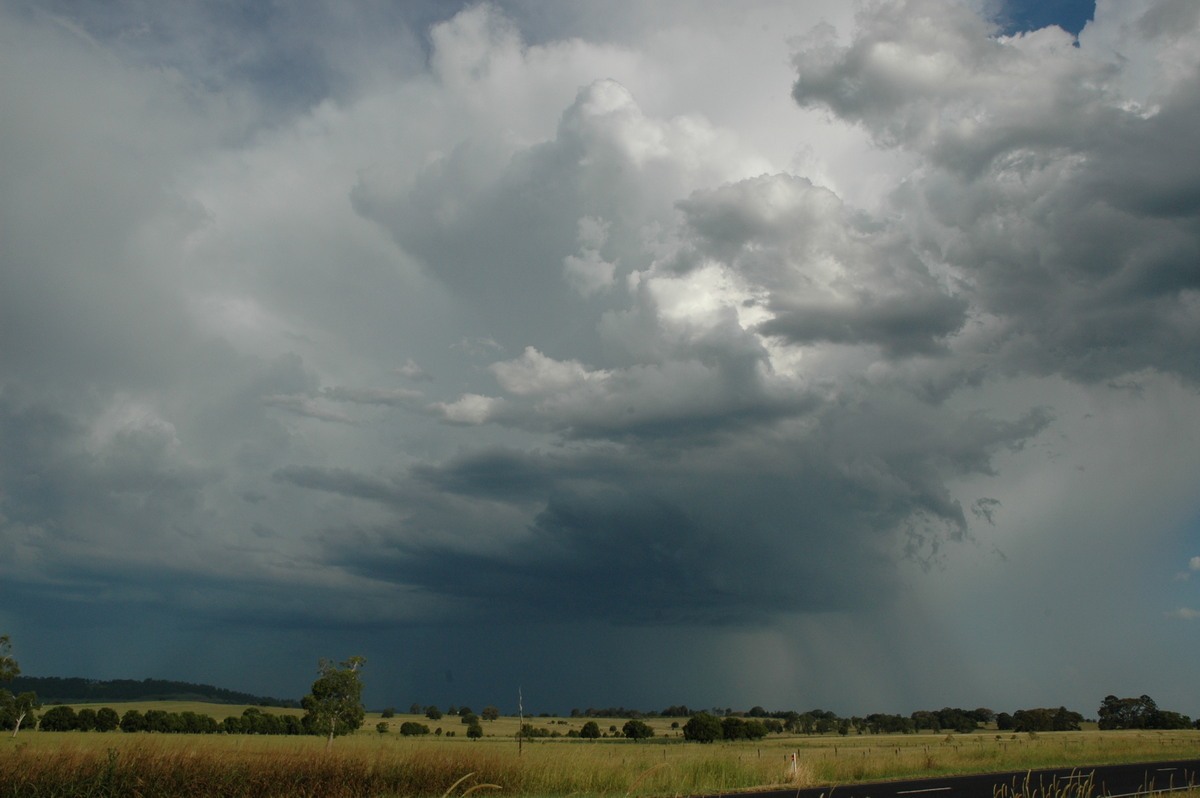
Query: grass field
point(372, 764)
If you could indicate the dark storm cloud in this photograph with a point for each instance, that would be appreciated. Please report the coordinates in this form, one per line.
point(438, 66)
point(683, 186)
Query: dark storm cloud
point(714, 373)
point(643, 536)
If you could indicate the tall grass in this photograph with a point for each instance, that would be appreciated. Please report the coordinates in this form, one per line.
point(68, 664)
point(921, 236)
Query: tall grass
point(71, 764)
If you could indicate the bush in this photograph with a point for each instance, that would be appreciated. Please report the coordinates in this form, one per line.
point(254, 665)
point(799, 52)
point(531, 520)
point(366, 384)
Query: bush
point(60, 718)
point(412, 728)
point(702, 728)
point(637, 730)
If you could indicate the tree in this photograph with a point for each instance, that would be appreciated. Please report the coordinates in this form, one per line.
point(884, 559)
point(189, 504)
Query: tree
point(59, 718)
point(469, 719)
point(132, 721)
point(334, 706)
point(702, 728)
point(14, 709)
point(433, 713)
point(637, 730)
point(107, 719)
point(1137, 713)
point(490, 713)
point(389, 712)
point(9, 669)
point(85, 719)
point(590, 730)
point(474, 731)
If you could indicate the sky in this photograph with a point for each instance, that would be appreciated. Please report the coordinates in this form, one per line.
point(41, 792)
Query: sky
point(792, 354)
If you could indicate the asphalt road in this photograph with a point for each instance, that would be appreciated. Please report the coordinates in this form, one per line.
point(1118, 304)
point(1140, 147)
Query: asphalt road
point(1115, 781)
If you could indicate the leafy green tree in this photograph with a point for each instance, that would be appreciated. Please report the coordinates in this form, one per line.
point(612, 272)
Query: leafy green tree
point(15, 709)
point(107, 719)
point(132, 721)
point(637, 730)
point(382, 727)
point(9, 669)
point(590, 730)
point(433, 713)
point(469, 719)
point(59, 718)
point(334, 706)
point(702, 728)
point(85, 719)
point(389, 712)
point(410, 728)
point(1137, 713)
point(490, 713)
point(474, 731)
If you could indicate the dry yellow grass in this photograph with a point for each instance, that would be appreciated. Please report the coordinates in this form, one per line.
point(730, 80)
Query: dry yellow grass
point(373, 764)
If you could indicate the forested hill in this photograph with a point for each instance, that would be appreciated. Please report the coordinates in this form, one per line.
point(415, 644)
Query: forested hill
point(51, 689)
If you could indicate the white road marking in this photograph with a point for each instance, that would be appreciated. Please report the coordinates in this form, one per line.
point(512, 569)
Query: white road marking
point(927, 789)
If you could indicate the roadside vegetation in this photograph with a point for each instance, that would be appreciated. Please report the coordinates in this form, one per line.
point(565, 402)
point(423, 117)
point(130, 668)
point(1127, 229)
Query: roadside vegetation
point(371, 763)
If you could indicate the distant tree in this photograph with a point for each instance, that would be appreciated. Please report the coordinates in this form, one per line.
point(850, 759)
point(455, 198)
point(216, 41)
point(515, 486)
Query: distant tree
point(14, 709)
point(637, 730)
point(702, 728)
point(1004, 721)
point(1066, 720)
point(132, 721)
point(474, 731)
point(469, 719)
point(85, 719)
point(389, 712)
point(984, 715)
point(382, 727)
point(463, 711)
point(334, 706)
point(107, 719)
point(59, 718)
point(415, 709)
point(490, 713)
point(590, 730)
point(412, 728)
point(9, 669)
point(756, 712)
point(1137, 713)
point(433, 713)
